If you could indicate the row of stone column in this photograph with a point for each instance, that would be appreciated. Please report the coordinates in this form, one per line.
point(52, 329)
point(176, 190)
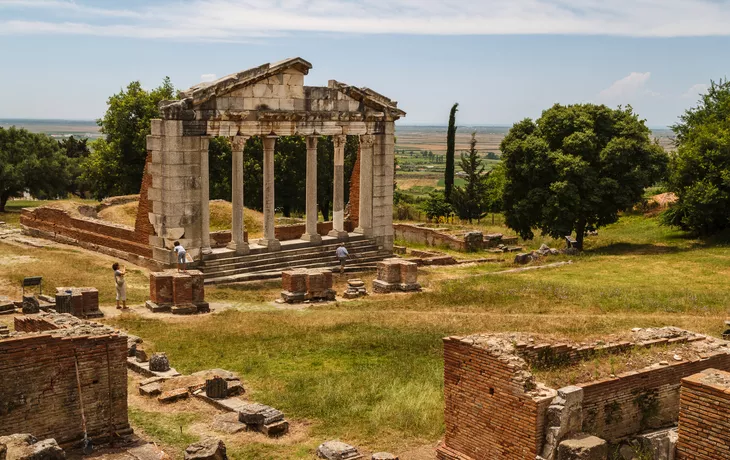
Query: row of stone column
point(269, 240)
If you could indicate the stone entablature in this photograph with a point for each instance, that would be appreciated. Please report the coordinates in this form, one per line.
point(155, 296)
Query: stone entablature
point(268, 101)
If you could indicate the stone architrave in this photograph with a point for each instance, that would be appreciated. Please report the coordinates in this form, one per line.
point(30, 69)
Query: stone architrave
point(310, 233)
point(338, 192)
point(269, 240)
point(238, 242)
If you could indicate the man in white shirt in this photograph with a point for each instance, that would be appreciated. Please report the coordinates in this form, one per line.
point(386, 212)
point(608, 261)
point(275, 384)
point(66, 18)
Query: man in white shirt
point(342, 254)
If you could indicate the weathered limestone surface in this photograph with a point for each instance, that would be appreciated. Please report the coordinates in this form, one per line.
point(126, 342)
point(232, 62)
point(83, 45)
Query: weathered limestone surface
point(396, 275)
point(583, 447)
point(307, 284)
point(207, 449)
point(267, 101)
point(337, 450)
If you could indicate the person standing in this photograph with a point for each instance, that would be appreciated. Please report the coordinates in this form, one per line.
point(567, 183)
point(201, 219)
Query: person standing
point(342, 254)
point(121, 285)
point(181, 256)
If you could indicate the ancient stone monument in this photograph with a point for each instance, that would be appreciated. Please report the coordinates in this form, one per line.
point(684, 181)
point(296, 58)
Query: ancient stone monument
point(267, 101)
point(178, 293)
point(396, 275)
point(307, 284)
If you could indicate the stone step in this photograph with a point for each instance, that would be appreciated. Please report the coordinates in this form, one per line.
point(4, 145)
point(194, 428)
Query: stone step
point(276, 274)
point(372, 256)
point(291, 246)
point(283, 257)
point(355, 245)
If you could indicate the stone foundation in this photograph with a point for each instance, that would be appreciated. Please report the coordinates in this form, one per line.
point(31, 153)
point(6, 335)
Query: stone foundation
point(396, 275)
point(177, 292)
point(80, 302)
point(307, 285)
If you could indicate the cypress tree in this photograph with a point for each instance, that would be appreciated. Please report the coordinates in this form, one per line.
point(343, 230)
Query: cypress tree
point(450, 149)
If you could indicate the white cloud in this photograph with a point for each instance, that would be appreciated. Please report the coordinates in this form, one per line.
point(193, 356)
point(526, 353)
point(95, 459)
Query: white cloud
point(627, 89)
point(207, 77)
point(229, 20)
point(696, 90)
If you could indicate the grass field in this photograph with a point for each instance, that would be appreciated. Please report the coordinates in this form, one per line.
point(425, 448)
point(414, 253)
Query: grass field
point(369, 371)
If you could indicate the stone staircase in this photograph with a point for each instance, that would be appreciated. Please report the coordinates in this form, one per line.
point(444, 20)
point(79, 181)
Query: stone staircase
point(226, 267)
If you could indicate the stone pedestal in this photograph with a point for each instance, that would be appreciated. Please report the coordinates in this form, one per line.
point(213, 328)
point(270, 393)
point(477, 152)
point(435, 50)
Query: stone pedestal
point(216, 388)
point(355, 288)
point(181, 293)
point(396, 275)
point(302, 285)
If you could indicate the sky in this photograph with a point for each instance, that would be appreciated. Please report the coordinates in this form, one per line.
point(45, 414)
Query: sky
point(501, 60)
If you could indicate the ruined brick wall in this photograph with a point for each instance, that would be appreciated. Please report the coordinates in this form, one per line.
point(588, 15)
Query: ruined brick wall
point(428, 237)
point(32, 323)
point(704, 423)
point(636, 401)
point(94, 234)
point(354, 203)
point(488, 413)
point(39, 391)
point(142, 226)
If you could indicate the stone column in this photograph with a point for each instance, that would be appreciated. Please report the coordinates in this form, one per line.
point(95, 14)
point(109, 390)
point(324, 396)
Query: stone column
point(238, 242)
point(269, 240)
point(310, 233)
point(365, 224)
point(338, 193)
point(204, 197)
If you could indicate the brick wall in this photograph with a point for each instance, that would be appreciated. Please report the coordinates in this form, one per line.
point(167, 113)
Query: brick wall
point(142, 226)
point(704, 423)
point(636, 401)
point(354, 203)
point(490, 411)
point(39, 391)
point(91, 233)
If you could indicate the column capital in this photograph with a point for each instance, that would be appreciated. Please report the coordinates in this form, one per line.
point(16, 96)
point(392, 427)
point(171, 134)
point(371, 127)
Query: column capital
point(367, 140)
point(238, 143)
point(312, 142)
point(339, 140)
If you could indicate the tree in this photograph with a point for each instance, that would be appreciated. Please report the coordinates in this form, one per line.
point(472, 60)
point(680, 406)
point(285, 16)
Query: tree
point(700, 169)
point(577, 167)
point(469, 201)
point(116, 164)
point(494, 190)
point(450, 151)
point(76, 150)
point(436, 205)
point(31, 163)
point(220, 169)
point(325, 175)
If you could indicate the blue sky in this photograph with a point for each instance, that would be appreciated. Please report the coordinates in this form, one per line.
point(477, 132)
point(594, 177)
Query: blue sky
point(502, 60)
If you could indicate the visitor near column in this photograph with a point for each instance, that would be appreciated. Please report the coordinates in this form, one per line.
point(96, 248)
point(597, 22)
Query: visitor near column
point(342, 254)
point(181, 255)
point(121, 285)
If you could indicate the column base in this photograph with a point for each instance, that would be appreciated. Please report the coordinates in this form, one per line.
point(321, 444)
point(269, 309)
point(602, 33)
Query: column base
point(312, 238)
point(364, 231)
point(271, 245)
point(240, 249)
point(206, 251)
point(339, 234)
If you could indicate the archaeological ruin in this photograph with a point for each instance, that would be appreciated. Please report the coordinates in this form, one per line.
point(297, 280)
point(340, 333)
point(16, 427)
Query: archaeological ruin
point(496, 408)
point(268, 101)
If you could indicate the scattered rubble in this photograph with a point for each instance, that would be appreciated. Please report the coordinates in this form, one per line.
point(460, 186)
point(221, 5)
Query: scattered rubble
point(207, 449)
point(264, 419)
point(159, 362)
point(355, 288)
point(26, 447)
point(336, 450)
point(543, 251)
point(583, 447)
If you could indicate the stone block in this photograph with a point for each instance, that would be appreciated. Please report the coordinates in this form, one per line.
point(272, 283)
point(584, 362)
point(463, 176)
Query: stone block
point(26, 447)
point(151, 389)
point(384, 456)
point(294, 280)
point(161, 288)
point(662, 443)
point(207, 449)
point(275, 429)
point(186, 309)
point(408, 272)
point(159, 362)
point(228, 423)
point(583, 447)
point(198, 286)
point(156, 308)
point(216, 388)
point(30, 305)
point(389, 271)
point(173, 395)
point(182, 289)
point(337, 450)
point(382, 287)
point(259, 414)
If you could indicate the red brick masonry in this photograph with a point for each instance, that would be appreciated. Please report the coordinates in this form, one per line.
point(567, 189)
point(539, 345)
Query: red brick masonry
point(704, 416)
point(39, 391)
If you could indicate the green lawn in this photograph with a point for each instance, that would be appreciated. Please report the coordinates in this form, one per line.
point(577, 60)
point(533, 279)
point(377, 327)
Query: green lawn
point(370, 371)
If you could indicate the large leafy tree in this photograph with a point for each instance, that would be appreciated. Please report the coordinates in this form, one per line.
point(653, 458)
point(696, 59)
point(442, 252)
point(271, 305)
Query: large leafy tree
point(450, 153)
point(116, 164)
point(470, 201)
point(700, 170)
point(77, 151)
point(575, 168)
point(33, 163)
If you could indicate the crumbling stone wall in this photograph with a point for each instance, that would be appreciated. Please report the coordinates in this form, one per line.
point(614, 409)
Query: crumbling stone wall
point(94, 234)
point(39, 390)
point(704, 423)
point(494, 409)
